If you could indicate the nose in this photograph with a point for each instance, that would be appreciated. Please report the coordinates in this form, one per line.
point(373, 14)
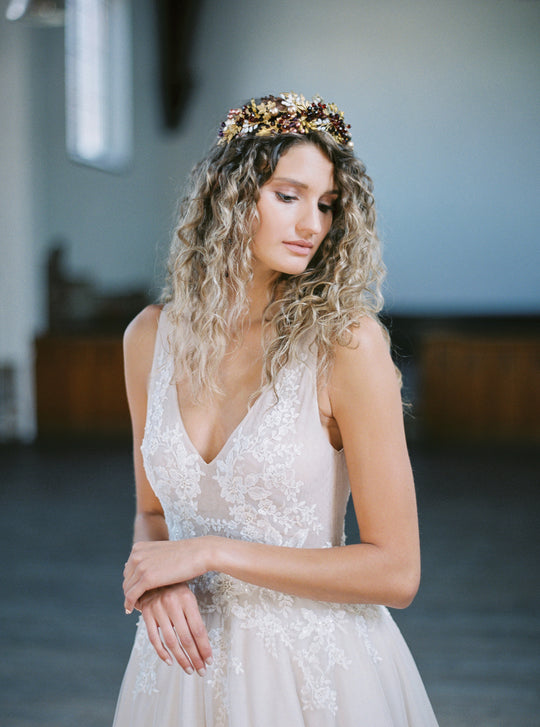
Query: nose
point(310, 222)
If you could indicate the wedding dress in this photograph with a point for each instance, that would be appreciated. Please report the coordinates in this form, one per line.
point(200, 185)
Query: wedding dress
point(278, 660)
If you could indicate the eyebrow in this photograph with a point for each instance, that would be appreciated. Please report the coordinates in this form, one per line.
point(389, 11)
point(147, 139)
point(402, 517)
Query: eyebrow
point(302, 185)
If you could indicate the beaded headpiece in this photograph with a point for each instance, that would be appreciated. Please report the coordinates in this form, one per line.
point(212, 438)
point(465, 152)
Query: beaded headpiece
point(288, 113)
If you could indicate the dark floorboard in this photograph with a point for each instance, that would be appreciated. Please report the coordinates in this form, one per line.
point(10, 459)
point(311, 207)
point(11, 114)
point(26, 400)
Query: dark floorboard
point(65, 529)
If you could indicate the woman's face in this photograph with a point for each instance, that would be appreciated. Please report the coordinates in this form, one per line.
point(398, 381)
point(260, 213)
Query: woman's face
point(295, 211)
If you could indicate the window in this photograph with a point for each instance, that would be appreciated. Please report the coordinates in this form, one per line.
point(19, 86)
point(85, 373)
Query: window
point(98, 83)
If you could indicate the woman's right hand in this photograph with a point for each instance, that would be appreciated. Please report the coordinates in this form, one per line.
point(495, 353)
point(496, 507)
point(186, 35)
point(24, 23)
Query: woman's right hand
point(173, 611)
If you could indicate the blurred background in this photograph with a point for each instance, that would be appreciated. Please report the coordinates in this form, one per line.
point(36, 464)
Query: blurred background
point(106, 105)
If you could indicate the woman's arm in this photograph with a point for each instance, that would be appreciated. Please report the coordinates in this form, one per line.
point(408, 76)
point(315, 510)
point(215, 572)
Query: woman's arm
point(139, 341)
point(385, 568)
point(173, 610)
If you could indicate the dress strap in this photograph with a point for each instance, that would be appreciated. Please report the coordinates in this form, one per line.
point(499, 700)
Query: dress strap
point(162, 359)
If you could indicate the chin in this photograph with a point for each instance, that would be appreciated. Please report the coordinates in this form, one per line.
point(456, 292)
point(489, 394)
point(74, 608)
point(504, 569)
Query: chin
point(293, 269)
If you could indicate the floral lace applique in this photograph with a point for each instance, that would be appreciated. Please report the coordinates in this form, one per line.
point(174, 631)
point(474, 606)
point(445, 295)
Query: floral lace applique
point(364, 626)
point(146, 680)
point(216, 678)
point(309, 635)
point(251, 496)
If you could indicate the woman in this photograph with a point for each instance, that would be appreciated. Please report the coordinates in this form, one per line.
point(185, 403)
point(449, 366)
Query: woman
point(259, 394)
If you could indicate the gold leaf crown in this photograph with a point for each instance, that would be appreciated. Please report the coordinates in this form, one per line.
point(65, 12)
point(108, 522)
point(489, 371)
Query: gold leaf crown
point(288, 113)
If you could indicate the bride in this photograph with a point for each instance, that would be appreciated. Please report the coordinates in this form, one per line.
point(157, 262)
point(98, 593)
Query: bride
point(262, 392)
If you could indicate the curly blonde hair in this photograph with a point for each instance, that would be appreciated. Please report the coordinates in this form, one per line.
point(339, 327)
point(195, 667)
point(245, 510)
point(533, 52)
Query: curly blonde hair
point(209, 265)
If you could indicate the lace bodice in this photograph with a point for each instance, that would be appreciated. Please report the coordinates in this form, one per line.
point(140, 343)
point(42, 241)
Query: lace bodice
point(277, 479)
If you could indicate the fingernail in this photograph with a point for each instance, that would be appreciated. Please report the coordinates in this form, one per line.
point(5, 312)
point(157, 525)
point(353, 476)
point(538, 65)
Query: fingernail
point(201, 672)
point(168, 661)
point(127, 612)
point(209, 661)
point(189, 671)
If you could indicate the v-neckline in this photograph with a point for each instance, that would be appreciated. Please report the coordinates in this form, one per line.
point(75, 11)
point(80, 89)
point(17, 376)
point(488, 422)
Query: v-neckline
point(231, 436)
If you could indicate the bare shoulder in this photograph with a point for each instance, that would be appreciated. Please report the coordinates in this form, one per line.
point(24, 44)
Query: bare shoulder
point(369, 346)
point(143, 327)
point(364, 369)
point(364, 387)
point(140, 337)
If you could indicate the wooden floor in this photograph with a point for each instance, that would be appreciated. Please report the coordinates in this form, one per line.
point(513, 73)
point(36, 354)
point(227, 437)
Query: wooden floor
point(65, 527)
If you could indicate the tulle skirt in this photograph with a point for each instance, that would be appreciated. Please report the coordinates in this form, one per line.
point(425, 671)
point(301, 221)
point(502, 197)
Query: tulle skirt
point(284, 661)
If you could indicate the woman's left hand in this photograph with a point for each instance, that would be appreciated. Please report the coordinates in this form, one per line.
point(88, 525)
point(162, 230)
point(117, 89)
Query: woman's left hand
point(157, 563)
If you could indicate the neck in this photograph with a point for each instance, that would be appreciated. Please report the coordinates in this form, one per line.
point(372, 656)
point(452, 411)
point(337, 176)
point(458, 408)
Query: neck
point(259, 293)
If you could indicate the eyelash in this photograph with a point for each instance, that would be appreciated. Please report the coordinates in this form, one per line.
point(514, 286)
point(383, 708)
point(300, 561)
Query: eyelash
point(287, 198)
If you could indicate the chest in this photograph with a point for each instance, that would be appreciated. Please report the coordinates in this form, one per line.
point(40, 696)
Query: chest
point(209, 424)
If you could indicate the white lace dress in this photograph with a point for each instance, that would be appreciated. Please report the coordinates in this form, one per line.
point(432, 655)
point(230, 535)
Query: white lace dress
point(279, 660)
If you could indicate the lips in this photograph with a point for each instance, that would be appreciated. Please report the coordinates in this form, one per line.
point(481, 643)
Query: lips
point(302, 247)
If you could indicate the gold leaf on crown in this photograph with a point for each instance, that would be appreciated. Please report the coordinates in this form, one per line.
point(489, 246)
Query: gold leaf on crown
point(288, 113)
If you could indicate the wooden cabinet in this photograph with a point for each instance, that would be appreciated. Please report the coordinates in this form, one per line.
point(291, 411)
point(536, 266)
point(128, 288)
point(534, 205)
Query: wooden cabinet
point(472, 386)
point(480, 387)
point(80, 386)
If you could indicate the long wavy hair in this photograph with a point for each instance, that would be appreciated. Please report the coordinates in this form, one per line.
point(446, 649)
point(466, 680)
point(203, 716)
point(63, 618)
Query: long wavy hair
point(209, 267)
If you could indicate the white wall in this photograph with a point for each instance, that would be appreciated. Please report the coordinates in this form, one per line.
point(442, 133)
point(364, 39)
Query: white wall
point(17, 270)
point(444, 101)
point(443, 98)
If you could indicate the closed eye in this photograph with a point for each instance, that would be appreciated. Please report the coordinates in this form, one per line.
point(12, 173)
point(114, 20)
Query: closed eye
point(285, 197)
point(326, 208)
